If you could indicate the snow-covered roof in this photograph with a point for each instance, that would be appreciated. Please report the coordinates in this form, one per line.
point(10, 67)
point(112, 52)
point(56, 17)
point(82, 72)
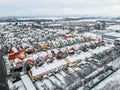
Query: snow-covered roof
point(60, 63)
point(27, 82)
point(47, 67)
point(48, 83)
point(56, 51)
point(18, 84)
point(49, 52)
point(76, 46)
point(39, 85)
point(14, 50)
point(55, 25)
point(60, 77)
point(17, 60)
point(25, 45)
point(92, 35)
point(72, 58)
point(83, 55)
point(100, 49)
point(43, 54)
point(38, 71)
point(62, 31)
point(34, 56)
point(50, 67)
point(88, 54)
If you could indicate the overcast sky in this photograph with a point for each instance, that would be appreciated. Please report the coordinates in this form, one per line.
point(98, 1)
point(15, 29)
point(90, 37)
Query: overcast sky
point(59, 7)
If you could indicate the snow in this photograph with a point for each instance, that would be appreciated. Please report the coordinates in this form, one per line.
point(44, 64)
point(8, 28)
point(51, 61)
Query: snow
point(100, 49)
point(49, 51)
point(55, 80)
point(113, 27)
point(56, 51)
point(48, 67)
point(48, 84)
point(41, 17)
point(43, 54)
point(27, 82)
point(63, 49)
point(115, 78)
point(88, 54)
point(55, 25)
point(18, 84)
point(115, 64)
point(63, 73)
point(81, 88)
point(115, 34)
point(62, 31)
point(76, 46)
point(15, 50)
point(81, 56)
point(93, 36)
point(117, 39)
point(34, 56)
point(38, 71)
point(14, 64)
point(39, 85)
point(3, 23)
point(10, 84)
point(77, 69)
point(24, 44)
point(70, 70)
point(60, 63)
point(16, 60)
point(72, 58)
point(61, 78)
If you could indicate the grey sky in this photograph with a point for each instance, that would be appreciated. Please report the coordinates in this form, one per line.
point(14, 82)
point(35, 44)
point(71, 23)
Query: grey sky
point(59, 7)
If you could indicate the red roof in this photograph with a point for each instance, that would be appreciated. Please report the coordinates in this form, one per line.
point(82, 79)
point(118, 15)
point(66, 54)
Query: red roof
point(68, 36)
point(72, 48)
point(53, 53)
point(59, 53)
point(29, 61)
point(19, 63)
point(11, 56)
point(10, 51)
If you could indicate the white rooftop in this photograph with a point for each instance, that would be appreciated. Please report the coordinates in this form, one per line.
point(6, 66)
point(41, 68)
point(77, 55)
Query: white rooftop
point(27, 82)
point(47, 67)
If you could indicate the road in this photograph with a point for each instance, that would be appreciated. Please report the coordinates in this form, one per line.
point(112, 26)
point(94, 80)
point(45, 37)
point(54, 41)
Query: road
point(3, 73)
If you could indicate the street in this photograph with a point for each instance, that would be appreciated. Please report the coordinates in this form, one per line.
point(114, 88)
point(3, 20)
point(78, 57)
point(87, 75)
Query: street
point(3, 74)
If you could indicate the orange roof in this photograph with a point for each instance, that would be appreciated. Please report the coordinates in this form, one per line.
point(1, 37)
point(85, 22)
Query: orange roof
point(29, 61)
point(11, 56)
point(21, 55)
